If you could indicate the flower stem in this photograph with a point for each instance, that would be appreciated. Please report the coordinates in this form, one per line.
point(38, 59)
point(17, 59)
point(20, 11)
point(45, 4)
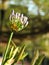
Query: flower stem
point(7, 48)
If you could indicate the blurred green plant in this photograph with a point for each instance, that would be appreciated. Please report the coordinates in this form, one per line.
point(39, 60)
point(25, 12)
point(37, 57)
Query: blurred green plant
point(38, 49)
point(17, 23)
point(41, 49)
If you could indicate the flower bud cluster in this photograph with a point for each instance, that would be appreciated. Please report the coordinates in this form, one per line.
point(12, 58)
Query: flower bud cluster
point(18, 21)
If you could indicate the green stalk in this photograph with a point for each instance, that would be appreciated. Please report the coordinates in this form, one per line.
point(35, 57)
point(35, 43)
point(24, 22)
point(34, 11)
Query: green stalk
point(7, 48)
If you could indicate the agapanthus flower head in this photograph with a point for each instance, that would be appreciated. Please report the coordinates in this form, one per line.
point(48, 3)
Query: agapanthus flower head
point(18, 21)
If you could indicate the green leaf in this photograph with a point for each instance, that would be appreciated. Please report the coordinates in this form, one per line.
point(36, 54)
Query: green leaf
point(11, 52)
point(20, 53)
point(24, 55)
point(40, 59)
point(15, 51)
point(36, 56)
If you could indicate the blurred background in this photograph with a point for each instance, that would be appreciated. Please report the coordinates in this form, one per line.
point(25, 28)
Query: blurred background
point(36, 34)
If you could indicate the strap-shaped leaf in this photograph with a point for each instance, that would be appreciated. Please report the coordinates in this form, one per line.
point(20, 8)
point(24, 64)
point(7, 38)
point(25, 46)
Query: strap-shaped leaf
point(36, 55)
point(24, 55)
point(40, 59)
point(11, 52)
